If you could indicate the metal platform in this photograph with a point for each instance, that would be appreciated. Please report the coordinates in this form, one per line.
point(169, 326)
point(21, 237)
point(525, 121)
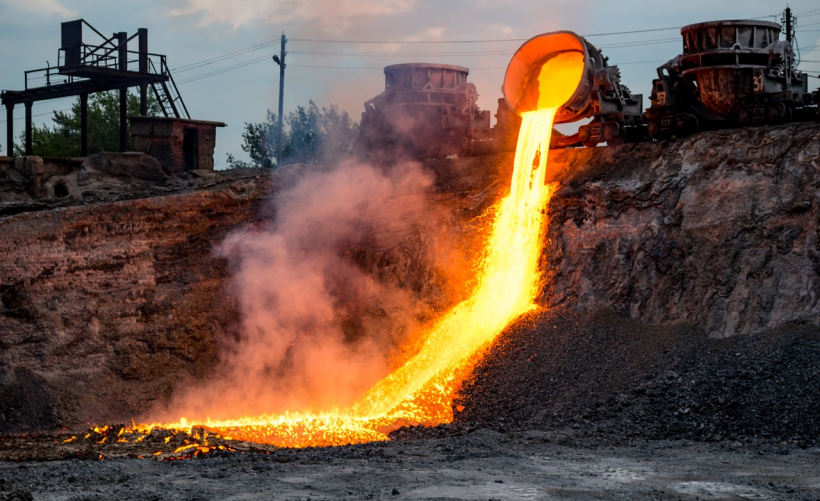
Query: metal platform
point(84, 69)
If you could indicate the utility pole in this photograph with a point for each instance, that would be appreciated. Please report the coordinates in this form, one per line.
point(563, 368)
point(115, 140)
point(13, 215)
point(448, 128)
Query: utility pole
point(788, 16)
point(280, 60)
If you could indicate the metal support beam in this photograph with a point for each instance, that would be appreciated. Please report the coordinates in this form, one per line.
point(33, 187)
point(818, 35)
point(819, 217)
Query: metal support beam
point(74, 89)
point(144, 99)
point(123, 119)
point(10, 129)
point(28, 128)
point(142, 42)
point(122, 48)
point(142, 39)
point(83, 125)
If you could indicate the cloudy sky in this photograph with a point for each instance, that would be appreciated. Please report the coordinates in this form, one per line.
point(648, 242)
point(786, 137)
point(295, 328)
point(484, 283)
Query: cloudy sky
point(325, 66)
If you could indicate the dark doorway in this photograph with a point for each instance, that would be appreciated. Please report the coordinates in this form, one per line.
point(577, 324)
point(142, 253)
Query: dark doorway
point(190, 148)
point(60, 189)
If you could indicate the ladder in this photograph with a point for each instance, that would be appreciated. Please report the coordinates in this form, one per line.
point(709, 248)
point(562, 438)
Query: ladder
point(168, 96)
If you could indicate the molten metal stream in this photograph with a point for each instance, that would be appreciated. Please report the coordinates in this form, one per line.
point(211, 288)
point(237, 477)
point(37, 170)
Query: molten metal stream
point(421, 391)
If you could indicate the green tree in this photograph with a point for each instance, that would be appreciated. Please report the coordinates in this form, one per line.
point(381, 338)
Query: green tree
point(63, 138)
point(312, 135)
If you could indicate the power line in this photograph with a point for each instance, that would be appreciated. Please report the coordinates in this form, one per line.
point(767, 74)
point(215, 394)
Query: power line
point(216, 59)
point(379, 68)
point(336, 67)
point(223, 70)
point(39, 104)
point(465, 53)
point(402, 55)
point(38, 115)
point(497, 40)
point(376, 54)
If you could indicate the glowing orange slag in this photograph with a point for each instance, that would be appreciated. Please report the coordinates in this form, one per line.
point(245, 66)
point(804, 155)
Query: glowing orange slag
point(421, 391)
point(558, 79)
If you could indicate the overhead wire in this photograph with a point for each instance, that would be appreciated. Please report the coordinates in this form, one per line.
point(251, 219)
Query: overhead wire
point(464, 53)
point(224, 70)
point(230, 55)
point(246, 50)
point(253, 48)
point(402, 55)
point(380, 68)
point(37, 115)
point(39, 103)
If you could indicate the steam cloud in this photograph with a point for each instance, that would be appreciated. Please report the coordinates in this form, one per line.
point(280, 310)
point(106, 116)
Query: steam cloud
point(332, 292)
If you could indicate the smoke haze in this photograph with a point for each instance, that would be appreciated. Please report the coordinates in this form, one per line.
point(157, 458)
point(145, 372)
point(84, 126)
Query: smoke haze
point(331, 292)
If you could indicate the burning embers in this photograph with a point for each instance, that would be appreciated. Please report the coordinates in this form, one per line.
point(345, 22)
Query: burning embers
point(106, 442)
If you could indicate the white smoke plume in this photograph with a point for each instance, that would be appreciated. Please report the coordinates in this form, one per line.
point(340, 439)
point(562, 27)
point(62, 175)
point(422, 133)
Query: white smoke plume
point(331, 292)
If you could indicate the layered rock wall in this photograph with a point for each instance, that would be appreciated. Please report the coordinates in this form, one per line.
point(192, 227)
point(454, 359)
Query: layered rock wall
point(106, 307)
point(720, 229)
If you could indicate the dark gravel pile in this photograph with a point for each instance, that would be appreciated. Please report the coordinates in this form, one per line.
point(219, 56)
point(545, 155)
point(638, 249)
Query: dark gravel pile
point(611, 378)
point(7, 493)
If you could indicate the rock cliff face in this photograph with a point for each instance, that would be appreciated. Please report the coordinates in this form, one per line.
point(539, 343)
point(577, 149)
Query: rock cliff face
point(108, 304)
point(720, 230)
point(108, 307)
point(105, 307)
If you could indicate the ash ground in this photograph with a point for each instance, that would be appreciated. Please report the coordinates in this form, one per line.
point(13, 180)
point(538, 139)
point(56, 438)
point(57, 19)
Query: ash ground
point(482, 464)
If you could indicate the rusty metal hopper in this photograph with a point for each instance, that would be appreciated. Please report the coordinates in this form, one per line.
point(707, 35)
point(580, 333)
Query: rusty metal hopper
point(723, 56)
point(521, 87)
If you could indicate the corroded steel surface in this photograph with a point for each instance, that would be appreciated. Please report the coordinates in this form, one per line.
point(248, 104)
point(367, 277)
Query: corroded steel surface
point(425, 111)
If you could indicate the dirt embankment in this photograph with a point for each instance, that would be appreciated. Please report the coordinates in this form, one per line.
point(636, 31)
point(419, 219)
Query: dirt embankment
point(106, 306)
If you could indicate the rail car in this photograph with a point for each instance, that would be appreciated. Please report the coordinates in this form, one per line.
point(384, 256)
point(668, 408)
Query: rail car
point(425, 111)
point(729, 74)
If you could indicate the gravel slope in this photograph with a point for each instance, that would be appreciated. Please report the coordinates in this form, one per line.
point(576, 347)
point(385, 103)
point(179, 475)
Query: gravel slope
point(610, 377)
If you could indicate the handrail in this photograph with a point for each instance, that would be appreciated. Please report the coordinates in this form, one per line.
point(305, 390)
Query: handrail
point(104, 60)
point(97, 47)
point(179, 96)
point(98, 33)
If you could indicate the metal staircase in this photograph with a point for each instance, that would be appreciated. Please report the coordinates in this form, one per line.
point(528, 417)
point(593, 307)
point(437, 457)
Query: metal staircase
point(168, 96)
